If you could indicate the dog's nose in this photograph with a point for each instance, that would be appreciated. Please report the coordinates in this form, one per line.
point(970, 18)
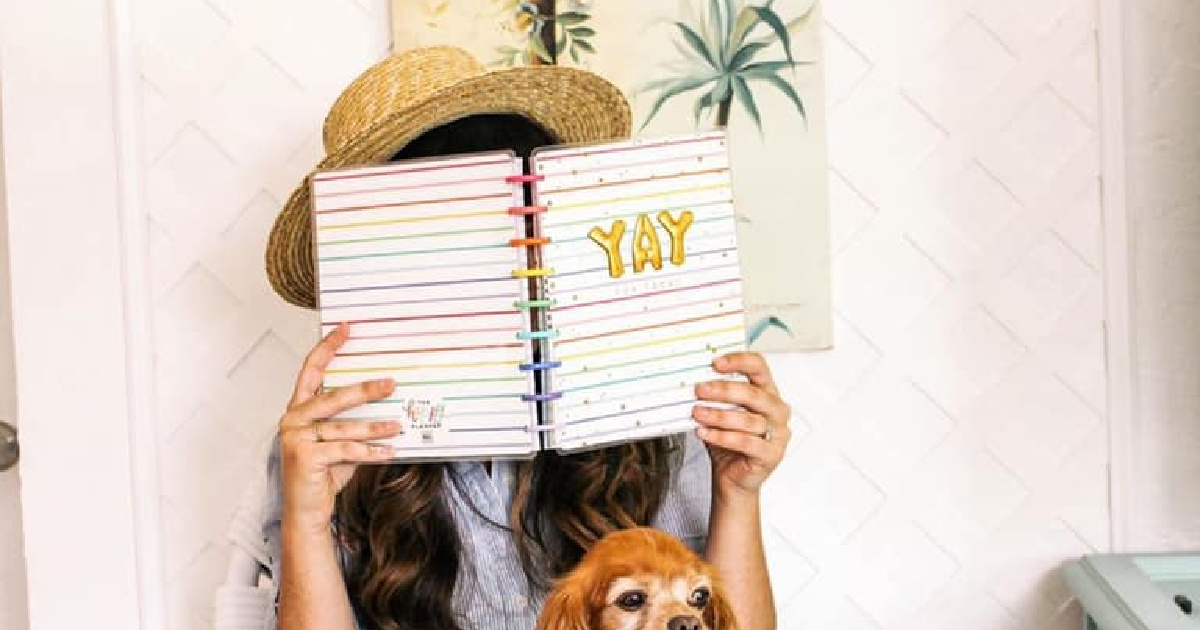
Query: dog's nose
point(684, 622)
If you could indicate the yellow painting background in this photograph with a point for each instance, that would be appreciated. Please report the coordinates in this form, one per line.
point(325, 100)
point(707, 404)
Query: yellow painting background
point(779, 173)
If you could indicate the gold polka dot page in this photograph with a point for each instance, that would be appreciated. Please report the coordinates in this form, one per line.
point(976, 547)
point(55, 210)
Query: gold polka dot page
point(647, 286)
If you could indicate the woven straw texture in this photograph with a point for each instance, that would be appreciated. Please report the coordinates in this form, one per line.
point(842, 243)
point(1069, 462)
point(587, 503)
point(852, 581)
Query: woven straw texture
point(409, 93)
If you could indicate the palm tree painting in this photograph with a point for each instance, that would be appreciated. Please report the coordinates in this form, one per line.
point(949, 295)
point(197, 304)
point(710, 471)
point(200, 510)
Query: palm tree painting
point(722, 48)
point(686, 65)
point(755, 331)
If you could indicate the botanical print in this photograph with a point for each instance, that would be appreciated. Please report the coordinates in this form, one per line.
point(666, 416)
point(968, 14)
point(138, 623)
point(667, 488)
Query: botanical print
point(722, 49)
point(434, 9)
point(546, 34)
point(750, 66)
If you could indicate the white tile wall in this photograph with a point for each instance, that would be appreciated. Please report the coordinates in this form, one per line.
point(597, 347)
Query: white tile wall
point(951, 452)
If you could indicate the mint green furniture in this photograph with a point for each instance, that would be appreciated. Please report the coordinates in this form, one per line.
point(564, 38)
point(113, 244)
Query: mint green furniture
point(1137, 591)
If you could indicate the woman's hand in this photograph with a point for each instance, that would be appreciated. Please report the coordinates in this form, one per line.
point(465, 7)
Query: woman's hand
point(318, 456)
point(745, 444)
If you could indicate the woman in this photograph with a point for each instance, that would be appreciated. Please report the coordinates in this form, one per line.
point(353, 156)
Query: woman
point(476, 544)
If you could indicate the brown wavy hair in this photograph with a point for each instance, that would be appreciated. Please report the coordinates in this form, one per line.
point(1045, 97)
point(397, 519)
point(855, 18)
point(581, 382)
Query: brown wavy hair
point(395, 523)
point(402, 547)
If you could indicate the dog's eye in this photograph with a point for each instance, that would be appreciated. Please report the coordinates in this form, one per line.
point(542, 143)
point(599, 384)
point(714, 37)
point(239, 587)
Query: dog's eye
point(631, 601)
point(699, 598)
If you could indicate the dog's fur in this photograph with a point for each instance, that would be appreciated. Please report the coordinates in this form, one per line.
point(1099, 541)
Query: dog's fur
point(640, 560)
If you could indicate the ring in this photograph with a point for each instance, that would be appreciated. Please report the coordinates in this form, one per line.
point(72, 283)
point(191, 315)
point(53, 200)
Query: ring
point(317, 432)
point(768, 433)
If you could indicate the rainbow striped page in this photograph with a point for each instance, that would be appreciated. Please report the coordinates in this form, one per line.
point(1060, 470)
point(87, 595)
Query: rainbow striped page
point(639, 315)
point(417, 258)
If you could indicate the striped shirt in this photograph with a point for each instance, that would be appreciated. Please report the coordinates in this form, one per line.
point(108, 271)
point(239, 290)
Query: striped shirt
point(492, 592)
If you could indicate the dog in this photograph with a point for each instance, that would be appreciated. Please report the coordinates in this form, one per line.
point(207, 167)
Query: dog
point(638, 579)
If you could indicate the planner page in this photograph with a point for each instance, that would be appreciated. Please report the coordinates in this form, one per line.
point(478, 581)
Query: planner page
point(646, 284)
point(419, 258)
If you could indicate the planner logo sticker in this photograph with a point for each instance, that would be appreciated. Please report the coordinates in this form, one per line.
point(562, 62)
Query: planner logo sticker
point(426, 418)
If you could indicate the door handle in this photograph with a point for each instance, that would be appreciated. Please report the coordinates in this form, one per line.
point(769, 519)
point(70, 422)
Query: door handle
point(10, 449)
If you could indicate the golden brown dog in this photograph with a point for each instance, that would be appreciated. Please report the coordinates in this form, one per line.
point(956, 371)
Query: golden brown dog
point(638, 579)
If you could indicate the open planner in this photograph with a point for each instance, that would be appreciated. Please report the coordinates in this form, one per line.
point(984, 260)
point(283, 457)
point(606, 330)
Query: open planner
point(566, 304)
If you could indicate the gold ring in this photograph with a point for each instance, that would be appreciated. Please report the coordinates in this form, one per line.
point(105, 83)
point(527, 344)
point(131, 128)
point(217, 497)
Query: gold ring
point(768, 432)
point(317, 432)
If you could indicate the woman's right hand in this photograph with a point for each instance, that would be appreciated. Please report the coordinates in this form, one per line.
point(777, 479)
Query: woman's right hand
point(317, 455)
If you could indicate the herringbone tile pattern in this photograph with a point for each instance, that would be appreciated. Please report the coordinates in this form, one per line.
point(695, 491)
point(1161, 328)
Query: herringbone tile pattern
point(951, 448)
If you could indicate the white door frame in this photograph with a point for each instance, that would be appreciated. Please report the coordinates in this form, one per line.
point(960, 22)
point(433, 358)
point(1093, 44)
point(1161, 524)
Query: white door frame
point(1119, 288)
point(80, 305)
point(12, 542)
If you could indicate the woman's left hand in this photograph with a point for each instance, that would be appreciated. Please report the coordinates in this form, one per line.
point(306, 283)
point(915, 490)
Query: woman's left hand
point(745, 444)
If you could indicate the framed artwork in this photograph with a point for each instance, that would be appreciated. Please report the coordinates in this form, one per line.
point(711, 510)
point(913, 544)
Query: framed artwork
point(751, 66)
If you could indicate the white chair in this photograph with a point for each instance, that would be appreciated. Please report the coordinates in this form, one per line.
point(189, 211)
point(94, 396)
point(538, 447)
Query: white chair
point(245, 600)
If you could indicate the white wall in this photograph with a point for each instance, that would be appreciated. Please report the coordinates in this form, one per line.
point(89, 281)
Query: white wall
point(233, 93)
point(957, 444)
point(1164, 176)
point(953, 447)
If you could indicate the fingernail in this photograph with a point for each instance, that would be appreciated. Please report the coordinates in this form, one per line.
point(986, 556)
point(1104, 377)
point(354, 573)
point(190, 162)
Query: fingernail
point(702, 432)
point(384, 384)
point(380, 449)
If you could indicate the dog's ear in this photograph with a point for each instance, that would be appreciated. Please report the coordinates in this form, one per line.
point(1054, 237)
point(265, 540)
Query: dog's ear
point(566, 607)
point(718, 615)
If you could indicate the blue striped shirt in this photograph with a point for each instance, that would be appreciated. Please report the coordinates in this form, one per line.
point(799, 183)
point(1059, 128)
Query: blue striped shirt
point(492, 592)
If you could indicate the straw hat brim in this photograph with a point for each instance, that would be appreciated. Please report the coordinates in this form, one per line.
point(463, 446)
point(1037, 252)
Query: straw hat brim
point(573, 106)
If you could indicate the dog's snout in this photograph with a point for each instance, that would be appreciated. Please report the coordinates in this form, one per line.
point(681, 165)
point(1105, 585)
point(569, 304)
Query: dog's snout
point(684, 622)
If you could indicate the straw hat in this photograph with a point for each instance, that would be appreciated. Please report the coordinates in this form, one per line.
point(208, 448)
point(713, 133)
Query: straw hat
point(410, 93)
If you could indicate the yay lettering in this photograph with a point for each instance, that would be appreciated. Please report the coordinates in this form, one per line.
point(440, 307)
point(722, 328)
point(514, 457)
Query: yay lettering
point(646, 246)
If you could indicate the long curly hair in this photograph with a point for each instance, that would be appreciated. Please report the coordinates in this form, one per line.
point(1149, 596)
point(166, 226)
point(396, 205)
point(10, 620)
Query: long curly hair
point(396, 524)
